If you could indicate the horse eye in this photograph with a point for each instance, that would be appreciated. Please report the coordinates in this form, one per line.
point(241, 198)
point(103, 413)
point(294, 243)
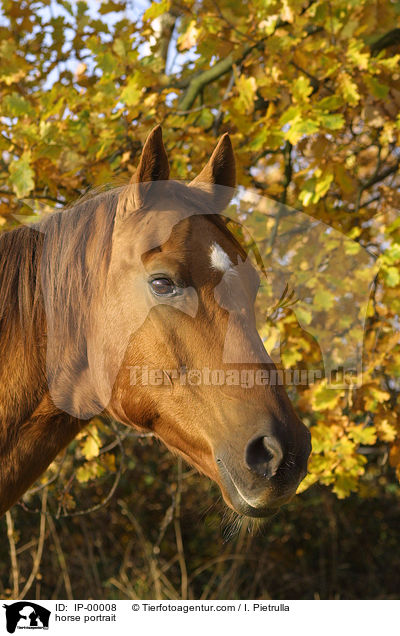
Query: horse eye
point(162, 286)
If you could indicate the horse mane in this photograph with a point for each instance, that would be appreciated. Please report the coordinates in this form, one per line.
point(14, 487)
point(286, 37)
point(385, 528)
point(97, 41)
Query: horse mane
point(52, 252)
point(20, 252)
point(45, 283)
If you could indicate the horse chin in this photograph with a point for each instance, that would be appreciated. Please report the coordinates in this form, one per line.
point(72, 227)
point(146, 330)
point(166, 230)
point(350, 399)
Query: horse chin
point(239, 503)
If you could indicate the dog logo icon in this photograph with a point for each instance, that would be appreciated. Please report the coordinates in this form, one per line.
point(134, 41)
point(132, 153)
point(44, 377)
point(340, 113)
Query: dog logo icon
point(26, 615)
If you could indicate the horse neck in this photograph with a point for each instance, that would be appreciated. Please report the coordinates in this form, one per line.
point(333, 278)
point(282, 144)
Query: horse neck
point(28, 449)
point(32, 429)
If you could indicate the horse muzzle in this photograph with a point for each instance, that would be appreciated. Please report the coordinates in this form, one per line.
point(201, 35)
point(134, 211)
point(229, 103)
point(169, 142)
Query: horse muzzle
point(266, 476)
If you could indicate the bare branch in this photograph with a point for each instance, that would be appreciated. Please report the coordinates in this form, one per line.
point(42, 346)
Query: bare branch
point(38, 556)
point(178, 535)
point(13, 555)
point(61, 558)
point(388, 39)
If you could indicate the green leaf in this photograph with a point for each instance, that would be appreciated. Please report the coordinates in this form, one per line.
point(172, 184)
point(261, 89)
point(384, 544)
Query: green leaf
point(326, 398)
point(391, 276)
point(323, 299)
point(344, 485)
point(132, 93)
point(156, 9)
point(22, 176)
point(392, 254)
point(322, 185)
point(292, 113)
point(332, 122)
point(307, 192)
point(206, 118)
point(111, 6)
point(352, 247)
point(302, 89)
point(377, 89)
point(301, 127)
point(16, 106)
point(363, 434)
point(303, 314)
point(360, 60)
point(88, 471)
point(330, 103)
point(247, 87)
point(290, 357)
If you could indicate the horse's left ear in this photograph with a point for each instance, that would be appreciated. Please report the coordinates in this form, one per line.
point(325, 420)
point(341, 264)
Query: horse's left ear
point(220, 170)
point(153, 166)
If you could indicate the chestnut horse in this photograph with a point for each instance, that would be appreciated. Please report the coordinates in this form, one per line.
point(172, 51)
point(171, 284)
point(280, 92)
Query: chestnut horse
point(143, 277)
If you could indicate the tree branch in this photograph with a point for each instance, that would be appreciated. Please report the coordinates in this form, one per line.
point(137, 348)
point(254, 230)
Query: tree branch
point(388, 39)
point(198, 83)
point(382, 175)
point(376, 178)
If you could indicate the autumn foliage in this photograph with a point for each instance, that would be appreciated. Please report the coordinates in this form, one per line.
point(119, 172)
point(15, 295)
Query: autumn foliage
point(310, 93)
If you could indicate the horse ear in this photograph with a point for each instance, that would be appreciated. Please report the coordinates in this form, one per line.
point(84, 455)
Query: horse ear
point(153, 166)
point(220, 170)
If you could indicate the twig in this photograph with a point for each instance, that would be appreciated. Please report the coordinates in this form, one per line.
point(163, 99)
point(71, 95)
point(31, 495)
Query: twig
point(61, 558)
point(91, 557)
point(10, 193)
point(178, 535)
point(376, 178)
point(31, 491)
point(315, 82)
point(13, 555)
point(148, 552)
point(287, 176)
point(38, 556)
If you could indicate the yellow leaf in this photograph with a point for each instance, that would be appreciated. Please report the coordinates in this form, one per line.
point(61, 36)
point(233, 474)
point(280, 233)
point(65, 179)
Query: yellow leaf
point(188, 39)
point(323, 299)
point(286, 12)
point(362, 434)
point(354, 54)
point(90, 448)
point(132, 93)
point(156, 9)
point(326, 398)
point(301, 89)
point(348, 89)
point(247, 87)
point(290, 357)
point(344, 485)
point(22, 175)
point(92, 443)
point(387, 432)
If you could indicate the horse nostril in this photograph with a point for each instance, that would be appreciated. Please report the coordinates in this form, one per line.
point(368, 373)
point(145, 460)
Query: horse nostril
point(263, 456)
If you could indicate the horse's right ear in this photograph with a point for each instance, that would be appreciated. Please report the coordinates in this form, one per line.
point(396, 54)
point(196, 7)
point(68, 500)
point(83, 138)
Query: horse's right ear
point(153, 166)
point(218, 176)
